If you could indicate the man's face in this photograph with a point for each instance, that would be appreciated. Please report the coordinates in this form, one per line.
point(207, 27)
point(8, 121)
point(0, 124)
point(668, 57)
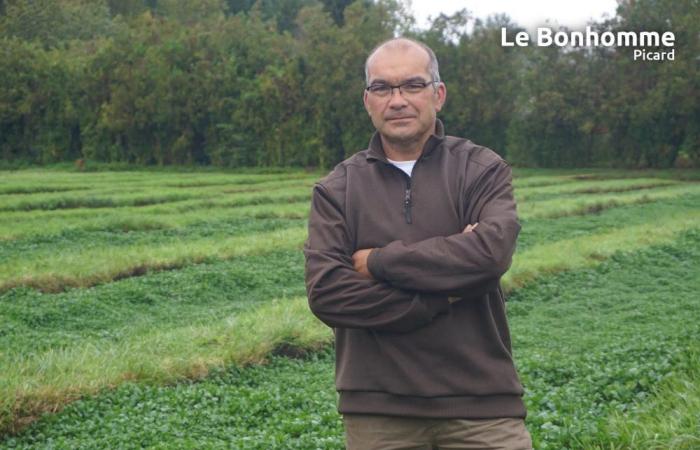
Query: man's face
point(403, 118)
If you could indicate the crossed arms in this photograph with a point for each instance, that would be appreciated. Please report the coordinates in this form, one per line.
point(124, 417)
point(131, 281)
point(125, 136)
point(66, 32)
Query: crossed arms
point(401, 287)
point(359, 258)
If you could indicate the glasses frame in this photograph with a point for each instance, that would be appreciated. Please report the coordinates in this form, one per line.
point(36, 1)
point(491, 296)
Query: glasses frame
point(399, 86)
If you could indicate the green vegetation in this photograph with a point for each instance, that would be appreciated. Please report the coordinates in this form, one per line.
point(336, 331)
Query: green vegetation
point(287, 404)
point(237, 83)
point(592, 346)
point(179, 196)
point(581, 204)
point(92, 265)
point(208, 219)
point(145, 219)
point(579, 226)
point(584, 187)
point(577, 253)
point(669, 420)
point(602, 309)
point(593, 343)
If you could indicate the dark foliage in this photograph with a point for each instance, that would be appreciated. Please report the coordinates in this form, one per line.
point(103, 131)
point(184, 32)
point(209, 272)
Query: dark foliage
point(278, 83)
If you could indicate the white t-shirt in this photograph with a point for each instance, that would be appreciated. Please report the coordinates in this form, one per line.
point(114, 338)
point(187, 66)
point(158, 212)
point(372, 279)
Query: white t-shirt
point(406, 166)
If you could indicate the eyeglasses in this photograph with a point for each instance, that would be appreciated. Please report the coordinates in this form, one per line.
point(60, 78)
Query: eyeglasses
point(409, 87)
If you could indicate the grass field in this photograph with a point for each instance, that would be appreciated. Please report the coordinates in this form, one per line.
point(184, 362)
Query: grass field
point(160, 309)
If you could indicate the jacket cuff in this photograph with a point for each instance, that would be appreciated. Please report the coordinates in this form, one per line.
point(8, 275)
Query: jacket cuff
point(374, 265)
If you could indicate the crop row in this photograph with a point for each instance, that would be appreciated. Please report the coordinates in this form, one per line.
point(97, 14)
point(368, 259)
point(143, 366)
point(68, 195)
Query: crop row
point(35, 180)
point(584, 204)
point(589, 187)
point(285, 205)
point(138, 196)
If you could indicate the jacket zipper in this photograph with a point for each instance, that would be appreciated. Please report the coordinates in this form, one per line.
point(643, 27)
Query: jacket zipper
point(407, 203)
point(407, 200)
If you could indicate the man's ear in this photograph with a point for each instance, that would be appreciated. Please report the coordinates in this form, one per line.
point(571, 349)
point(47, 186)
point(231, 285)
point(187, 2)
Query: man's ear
point(441, 94)
point(364, 100)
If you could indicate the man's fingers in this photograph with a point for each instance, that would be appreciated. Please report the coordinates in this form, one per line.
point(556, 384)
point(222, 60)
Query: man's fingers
point(470, 227)
point(359, 260)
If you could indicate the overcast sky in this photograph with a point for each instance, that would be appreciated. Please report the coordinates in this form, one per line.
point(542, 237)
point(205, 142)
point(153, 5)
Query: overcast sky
point(529, 14)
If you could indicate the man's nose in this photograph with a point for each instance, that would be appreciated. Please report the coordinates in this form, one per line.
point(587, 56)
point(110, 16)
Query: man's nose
point(396, 100)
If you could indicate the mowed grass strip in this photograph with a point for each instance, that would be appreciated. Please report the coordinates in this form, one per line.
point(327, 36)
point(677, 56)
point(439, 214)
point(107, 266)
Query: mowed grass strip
point(91, 266)
point(135, 196)
point(132, 219)
point(62, 178)
point(536, 178)
point(527, 177)
point(89, 200)
point(537, 231)
point(589, 187)
point(209, 199)
point(44, 383)
point(283, 204)
point(34, 322)
point(22, 189)
point(584, 204)
point(39, 193)
point(587, 344)
point(37, 328)
point(198, 200)
point(577, 253)
point(51, 189)
point(534, 181)
point(530, 177)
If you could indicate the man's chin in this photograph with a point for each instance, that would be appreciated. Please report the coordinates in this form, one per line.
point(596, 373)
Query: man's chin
point(401, 138)
point(399, 128)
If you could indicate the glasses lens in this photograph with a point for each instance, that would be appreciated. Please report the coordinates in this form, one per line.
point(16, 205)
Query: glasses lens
point(380, 90)
point(413, 88)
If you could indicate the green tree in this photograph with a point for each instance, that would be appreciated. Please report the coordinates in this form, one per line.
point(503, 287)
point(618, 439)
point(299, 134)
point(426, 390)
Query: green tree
point(52, 22)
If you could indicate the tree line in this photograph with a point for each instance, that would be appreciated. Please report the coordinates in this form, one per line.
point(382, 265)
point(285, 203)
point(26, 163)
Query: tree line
point(237, 83)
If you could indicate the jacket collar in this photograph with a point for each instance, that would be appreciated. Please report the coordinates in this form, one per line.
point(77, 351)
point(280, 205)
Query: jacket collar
point(376, 150)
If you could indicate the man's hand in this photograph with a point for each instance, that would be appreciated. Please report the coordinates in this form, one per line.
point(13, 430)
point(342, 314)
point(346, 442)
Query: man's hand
point(469, 228)
point(359, 260)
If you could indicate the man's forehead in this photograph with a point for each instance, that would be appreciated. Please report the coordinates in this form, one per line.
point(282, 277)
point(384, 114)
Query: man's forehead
point(398, 61)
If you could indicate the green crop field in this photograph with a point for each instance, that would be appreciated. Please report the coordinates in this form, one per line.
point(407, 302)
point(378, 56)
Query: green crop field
point(167, 309)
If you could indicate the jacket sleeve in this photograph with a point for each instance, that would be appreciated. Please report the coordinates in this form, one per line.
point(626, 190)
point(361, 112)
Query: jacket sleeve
point(463, 264)
point(342, 297)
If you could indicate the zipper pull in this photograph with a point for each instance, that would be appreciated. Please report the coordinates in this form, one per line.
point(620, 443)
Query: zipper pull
point(407, 202)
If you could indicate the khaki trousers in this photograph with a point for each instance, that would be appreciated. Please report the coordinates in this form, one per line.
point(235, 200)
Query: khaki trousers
point(368, 432)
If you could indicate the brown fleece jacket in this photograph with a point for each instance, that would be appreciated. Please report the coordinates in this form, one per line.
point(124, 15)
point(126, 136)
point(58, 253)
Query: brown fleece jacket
point(402, 348)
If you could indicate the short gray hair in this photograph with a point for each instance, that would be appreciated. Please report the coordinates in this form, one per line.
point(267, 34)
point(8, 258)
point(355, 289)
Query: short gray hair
point(433, 69)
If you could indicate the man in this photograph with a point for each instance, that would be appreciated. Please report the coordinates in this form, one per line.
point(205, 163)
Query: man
point(407, 242)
